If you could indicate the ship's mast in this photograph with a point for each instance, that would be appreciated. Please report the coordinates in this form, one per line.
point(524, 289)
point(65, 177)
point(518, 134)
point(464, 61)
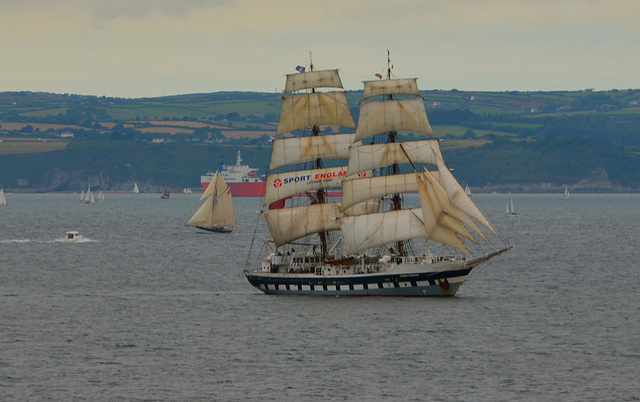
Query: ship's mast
point(320, 196)
point(392, 136)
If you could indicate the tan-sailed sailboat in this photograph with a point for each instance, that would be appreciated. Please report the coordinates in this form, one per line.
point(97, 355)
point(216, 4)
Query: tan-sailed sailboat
point(216, 214)
point(370, 241)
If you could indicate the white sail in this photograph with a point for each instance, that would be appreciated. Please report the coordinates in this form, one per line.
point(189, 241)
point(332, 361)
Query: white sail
point(223, 213)
point(459, 197)
point(287, 151)
point(202, 214)
point(360, 189)
point(3, 199)
point(312, 79)
point(368, 157)
point(370, 206)
point(403, 86)
point(216, 186)
point(283, 185)
point(510, 209)
point(135, 189)
point(363, 232)
point(393, 115)
point(300, 111)
point(289, 224)
point(439, 225)
point(217, 210)
point(87, 198)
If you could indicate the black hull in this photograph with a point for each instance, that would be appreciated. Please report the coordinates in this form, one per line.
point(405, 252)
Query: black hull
point(216, 229)
point(437, 281)
point(422, 284)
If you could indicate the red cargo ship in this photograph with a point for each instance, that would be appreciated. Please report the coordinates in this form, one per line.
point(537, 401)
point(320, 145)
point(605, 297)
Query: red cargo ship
point(241, 179)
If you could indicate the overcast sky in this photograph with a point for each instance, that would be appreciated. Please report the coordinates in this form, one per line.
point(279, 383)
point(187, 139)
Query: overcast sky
point(142, 48)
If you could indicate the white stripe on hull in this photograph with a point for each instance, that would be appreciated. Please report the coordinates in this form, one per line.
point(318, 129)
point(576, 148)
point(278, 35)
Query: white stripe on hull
point(386, 288)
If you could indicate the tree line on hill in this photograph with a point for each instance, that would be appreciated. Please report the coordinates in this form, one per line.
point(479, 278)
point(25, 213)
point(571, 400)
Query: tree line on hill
point(587, 139)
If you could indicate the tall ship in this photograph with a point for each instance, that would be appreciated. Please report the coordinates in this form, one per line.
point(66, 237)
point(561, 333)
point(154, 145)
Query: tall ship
point(241, 179)
point(403, 225)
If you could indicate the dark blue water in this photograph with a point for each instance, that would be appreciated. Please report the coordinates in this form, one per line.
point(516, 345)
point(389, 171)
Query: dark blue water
point(146, 309)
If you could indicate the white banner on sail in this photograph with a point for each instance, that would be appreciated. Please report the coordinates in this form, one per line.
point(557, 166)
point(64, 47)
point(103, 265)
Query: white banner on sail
point(283, 185)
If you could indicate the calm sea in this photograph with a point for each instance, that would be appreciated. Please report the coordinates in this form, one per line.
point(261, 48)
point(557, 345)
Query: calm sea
point(146, 309)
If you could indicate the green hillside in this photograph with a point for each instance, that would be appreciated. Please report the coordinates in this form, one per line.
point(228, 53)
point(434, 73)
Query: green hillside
point(522, 141)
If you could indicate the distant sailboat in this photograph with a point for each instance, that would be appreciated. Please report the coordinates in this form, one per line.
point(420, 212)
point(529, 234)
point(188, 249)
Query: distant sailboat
point(101, 195)
point(166, 195)
point(467, 190)
point(3, 199)
point(187, 191)
point(216, 214)
point(135, 189)
point(566, 192)
point(510, 209)
point(87, 198)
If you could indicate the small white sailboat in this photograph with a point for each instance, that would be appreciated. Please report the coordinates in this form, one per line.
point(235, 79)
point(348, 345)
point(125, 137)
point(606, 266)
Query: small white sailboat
point(87, 198)
point(187, 190)
point(467, 190)
point(101, 196)
point(216, 214)
point(510, 209)
point(566, 192)
point(3, 199)
point(135, 188)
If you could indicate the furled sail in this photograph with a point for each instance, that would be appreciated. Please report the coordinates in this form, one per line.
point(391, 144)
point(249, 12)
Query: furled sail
point(312, 79)
point(367, 157)
point(287, 151)
point(403, 86)
point(363, 232)
point(283, 185)
point(370, 206)
point(393, 115)
point(289, 224)
point(300, 111)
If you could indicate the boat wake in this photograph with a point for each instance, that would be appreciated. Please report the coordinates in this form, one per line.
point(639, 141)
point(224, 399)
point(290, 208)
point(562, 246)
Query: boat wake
point(61, 240)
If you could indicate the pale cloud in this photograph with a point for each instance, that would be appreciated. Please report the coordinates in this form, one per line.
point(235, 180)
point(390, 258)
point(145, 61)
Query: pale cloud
point(154, 47)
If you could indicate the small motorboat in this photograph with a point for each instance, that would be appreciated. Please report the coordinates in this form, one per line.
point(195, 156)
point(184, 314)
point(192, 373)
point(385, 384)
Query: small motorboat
point(73, 235)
